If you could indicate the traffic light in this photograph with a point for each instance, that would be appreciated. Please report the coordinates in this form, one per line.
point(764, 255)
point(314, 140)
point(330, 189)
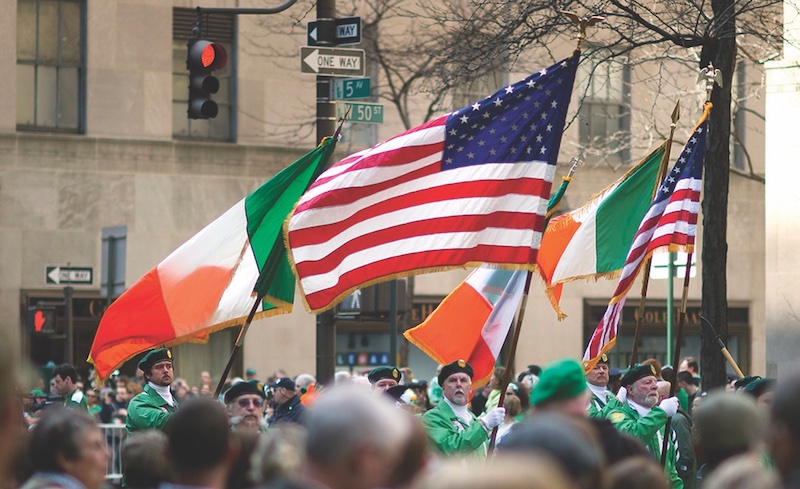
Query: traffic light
point(202, 58)
point(41, 319)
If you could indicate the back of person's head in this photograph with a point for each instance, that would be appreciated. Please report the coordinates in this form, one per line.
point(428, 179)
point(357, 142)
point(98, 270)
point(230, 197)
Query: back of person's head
point(346, 418)
point(570, 441)
point(199, 436)
point(637, 473)
point(512, 471)
point(742, 472)
point(784, 439)
point(513, 405)
point(144, 459)
point(241, 475)
point(279, 454)
point(726, 424)
point(58, 434)
point(66, 370)
point(686, 377)
point(617, 446)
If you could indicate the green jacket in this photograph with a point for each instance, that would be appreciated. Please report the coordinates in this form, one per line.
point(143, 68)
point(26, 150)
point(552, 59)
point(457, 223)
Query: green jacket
point(599, 410)
point(77, 401)
point(148, 410)
point(649, 429)
point(451, 435)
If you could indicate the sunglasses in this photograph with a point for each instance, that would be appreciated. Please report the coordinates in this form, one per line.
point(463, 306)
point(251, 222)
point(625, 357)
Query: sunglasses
point(246, 402)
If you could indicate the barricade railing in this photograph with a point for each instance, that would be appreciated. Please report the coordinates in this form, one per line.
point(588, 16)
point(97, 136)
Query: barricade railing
point(114, 435)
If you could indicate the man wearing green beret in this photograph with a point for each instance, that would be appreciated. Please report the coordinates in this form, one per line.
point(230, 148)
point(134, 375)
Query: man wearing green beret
point(642, 416)
point(246, 403)
point(451, 426)
point(383, 378)
point(603, 401)
point(153, 407)
point(562, 388)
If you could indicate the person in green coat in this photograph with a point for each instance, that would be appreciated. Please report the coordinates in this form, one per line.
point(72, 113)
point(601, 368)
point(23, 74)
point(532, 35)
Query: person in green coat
point(452, 428)
point(642, 416)
point(154, 406)
point(603, 401)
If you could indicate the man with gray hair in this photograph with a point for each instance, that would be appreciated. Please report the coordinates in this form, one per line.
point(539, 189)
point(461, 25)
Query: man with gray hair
point(354, 439)
point(725, 425)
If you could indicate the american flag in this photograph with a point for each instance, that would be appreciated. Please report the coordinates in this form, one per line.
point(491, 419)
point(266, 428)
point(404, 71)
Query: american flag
point(670, 222)
point(469, 187)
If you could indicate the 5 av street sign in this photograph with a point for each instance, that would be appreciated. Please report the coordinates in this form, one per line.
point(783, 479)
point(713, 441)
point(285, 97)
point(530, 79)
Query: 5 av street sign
point(332, 61)
point(348, 31)
point(351, 88)
point(68, 275)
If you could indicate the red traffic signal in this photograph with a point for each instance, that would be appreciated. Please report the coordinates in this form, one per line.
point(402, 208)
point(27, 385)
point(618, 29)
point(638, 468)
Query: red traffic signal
point(41, 319)
point(202, 58)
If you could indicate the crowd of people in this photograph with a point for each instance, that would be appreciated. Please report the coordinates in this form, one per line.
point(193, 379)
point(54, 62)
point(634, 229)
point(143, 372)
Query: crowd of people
point(560, 426)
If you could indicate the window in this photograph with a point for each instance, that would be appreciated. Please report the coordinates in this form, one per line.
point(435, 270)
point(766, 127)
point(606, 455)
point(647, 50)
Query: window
point(50, 65)
point(604, 114)
point(219, 28)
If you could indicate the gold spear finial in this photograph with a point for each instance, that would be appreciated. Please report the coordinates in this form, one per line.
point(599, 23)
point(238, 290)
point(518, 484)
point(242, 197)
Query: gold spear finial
point(583, 23)
point(712, 76)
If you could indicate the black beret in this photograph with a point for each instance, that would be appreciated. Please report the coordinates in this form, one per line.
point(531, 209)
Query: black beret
point(744, 381)
point(154, 356)
point(603, 359)
point(454, 368)
point(245, 387)
point(396, 392)
point(284, 382)
point(636, 373)
point(385, 372)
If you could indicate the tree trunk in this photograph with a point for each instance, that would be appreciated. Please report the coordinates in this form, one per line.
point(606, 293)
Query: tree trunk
point(722, 52)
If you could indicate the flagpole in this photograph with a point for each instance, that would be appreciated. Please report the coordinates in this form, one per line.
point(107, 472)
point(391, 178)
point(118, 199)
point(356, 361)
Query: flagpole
point(512, 352)
point(237, 346)
point(676, 115)
point(677, 351)
point(725, 353)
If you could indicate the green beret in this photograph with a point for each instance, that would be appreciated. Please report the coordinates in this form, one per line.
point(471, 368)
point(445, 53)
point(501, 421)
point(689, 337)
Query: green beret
point(745, 381)
point(454, 368)
point(636, 373)
point(38, 393)
point(760, 386)
point(386, 372)
point(562, 379)
point(154, 356)
point(245, 387)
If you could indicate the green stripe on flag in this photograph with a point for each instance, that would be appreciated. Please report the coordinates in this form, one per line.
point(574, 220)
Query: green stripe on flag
point(619, 216)
point(267, 208)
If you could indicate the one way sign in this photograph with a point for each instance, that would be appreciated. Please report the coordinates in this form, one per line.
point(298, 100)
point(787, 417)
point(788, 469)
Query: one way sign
point(332, 61)
point(348, 31)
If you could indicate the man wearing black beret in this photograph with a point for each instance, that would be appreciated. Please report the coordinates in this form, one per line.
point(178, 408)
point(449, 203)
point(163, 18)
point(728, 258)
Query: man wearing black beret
point(603, 400)
point(642, 416)
point(451, 426)
point(246, 403)
point(383, 378)
point(153, 407)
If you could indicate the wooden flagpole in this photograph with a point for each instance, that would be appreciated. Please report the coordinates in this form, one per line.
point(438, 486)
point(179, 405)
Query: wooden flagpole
point(676, 354)
point(243, 331)
point(676, 115)
point(512, 352)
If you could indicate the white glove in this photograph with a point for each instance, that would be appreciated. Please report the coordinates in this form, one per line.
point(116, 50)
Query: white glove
point(670, 406)
point(622, 394)
point(494, 418)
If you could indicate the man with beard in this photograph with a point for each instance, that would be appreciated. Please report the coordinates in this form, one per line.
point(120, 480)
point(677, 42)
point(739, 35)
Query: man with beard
point(154, 406)
point(642, 416)
point(246, 403)
point(452, 427)
point(603, 401)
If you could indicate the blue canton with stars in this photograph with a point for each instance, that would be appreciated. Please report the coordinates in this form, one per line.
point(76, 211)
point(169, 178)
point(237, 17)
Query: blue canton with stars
point(689, 164)
point(521, 122)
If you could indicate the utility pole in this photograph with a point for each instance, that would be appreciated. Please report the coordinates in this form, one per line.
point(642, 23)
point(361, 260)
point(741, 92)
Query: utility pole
point(326, 126)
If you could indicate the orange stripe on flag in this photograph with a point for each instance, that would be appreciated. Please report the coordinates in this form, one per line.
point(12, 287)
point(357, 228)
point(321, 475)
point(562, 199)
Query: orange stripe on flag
point(193, 299)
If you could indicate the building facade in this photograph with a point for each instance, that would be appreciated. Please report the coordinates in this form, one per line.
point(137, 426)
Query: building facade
point(100, 169)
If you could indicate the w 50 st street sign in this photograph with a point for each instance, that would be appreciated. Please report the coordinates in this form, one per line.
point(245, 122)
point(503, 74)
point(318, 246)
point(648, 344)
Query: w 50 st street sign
point(332, 61)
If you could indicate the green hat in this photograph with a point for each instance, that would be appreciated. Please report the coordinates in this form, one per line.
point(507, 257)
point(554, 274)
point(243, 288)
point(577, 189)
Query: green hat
point(745, 381)
point(250, 371)
point(38, 393)
point(385, 372)
point(454, 368)
point(562, 379)
point(636, 373)
point(245, 387)
point(154, 356)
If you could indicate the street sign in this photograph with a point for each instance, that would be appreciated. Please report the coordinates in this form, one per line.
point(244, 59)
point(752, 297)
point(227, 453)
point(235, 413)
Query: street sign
point(361, 112)
point(351, 88)
point(348, 31)
point(68, 275)
point(332, 61)
point(659, 268)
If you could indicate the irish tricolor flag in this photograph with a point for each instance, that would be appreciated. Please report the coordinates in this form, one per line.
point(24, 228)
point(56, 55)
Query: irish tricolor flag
point(592, 242)
point(213, 280)
point(472, 323)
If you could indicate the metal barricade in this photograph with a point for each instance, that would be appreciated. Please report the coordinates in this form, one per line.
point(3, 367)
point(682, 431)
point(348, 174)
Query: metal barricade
point(114, 435)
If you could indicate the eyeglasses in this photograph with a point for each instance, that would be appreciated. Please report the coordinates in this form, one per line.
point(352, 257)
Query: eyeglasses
point(246, 402)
